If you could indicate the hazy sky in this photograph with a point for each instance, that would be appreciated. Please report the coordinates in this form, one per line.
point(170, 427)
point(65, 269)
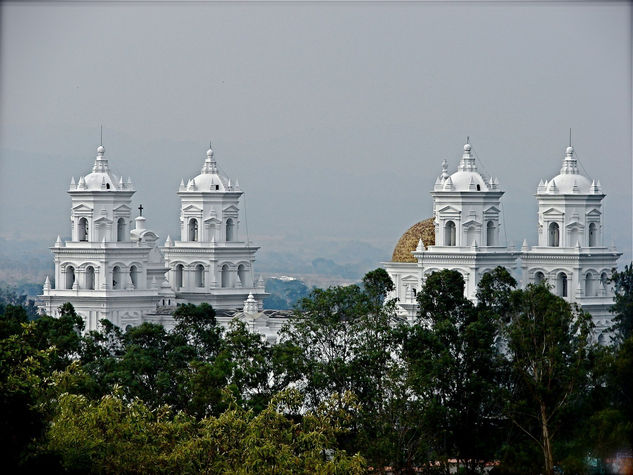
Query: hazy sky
point(335, 117)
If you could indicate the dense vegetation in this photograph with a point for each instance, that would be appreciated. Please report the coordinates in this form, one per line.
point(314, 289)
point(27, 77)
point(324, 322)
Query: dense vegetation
point(514, 381)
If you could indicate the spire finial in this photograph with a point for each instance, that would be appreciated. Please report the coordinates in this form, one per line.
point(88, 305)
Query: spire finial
point(468, 139)
point(140, 210)
point(101, 135)
point(570, 136)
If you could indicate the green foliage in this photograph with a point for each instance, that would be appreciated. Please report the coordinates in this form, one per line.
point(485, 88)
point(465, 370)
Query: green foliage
point(549, 358)
point(10, 296)
point(115, 436)
point(513, 378)
point(23, 372)
point(623, 306)
point(451, 360)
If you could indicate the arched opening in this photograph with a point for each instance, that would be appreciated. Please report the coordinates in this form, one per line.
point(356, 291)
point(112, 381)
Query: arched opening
point(590, 290)
point(562, 284)
point(241, 273)
point(554, 235)
point(82, 231)
point(193, 229)
point(225, 275)
point(539, 277)
point(604, 281)
point(230, 229)
point(602, 341)
point(120, 230)
point(134, 276)
point(593, 235)
point(179, 271)
point(449, 233)
point(70, 277)
point(490, 234)
point(90, 278)
point(116, 278)
point(199, 275)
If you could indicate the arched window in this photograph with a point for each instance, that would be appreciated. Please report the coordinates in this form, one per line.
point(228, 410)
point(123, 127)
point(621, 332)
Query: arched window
point(562, 284)
point(241, 273)
point(120, 230)
point(82, 232)
point(90, 278)
point(602, 341)
point(116, 277)
point(225, 275)
point(593, 235)
point(179, 270)
point(193, 229)
point(539, 277)
point(229, 229)
point(490, 234)
point(604, 282)
point(199, 275)
point(554, 235)
point(449, 233)
point(590, 290)
point(70, 277)
point(134, 276)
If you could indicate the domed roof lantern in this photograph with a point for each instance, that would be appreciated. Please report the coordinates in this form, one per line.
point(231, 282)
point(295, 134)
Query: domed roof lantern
point(210, 166)
point(570, 164)
point(467, 163)
point(101, 163)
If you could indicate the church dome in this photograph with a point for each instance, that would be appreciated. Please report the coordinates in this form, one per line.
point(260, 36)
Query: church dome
point(569, 181)
point(566, 184)
point(101, 178)
point(407, 243)
point(209, 178)
point(468, 181)
point(466, 178)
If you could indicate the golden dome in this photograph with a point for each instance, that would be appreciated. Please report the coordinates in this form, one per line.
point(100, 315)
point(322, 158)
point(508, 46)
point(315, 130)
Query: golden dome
point(424, 230)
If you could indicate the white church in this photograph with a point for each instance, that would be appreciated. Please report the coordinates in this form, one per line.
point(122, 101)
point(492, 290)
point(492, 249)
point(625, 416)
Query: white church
point(113, 268)
point(463, 235)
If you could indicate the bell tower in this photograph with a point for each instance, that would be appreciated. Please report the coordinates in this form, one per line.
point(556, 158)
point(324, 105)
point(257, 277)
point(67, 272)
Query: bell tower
point(212, 262)
point(570, 255)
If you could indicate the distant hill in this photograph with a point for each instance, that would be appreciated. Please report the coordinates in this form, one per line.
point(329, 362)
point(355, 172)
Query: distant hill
point(284, 293)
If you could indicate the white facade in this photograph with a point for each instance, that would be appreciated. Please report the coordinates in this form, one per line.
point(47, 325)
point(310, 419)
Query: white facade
point(570, 253)
point(107, 270)
point(212, 262)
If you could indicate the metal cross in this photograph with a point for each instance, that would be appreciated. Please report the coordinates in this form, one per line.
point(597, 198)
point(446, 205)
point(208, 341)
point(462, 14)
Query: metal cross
point(140, 209)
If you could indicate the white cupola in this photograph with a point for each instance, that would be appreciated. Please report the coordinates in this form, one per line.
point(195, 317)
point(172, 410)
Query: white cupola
point(466, 205)
point(209, 205)
point(569, 208)
point(101, 204)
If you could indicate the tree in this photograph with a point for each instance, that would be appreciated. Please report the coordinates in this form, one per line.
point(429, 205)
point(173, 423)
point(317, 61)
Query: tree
point(341, 339)
point(23, 378)
point(451, 360)
point(549, 352)
point(113, 435)
point(197, 324)
point(154, 365)
point(623, 306)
